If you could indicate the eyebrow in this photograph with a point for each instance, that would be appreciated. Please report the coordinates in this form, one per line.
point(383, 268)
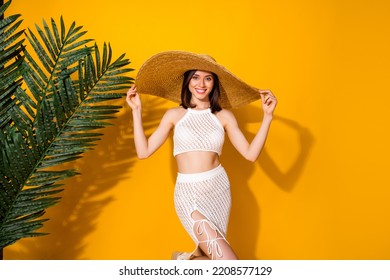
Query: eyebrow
point(208, 75)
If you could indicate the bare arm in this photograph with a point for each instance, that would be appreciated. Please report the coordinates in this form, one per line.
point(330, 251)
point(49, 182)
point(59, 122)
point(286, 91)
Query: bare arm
point(144, 146)
point(251, 151)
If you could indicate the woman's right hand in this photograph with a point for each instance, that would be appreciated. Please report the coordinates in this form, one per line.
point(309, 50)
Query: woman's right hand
point(133, 99)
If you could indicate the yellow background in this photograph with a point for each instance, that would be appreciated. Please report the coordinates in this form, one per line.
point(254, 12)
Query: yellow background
point(321, 187)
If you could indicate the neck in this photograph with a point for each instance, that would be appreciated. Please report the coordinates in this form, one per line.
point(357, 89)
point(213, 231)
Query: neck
point(200, 105)
point(201, 108)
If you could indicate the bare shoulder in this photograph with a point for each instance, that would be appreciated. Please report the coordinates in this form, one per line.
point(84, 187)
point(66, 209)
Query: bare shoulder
point(175, 114)
point(226, 117)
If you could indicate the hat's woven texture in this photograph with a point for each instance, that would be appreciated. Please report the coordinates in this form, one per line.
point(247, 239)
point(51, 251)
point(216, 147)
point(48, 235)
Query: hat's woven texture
point(162, 75)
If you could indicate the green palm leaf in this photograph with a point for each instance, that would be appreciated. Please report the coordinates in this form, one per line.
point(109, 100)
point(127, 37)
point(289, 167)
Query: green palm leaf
point(11, 47)
point(54, 121)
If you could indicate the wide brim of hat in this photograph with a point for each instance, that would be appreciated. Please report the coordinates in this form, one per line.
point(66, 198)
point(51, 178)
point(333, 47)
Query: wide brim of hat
point(162, 75)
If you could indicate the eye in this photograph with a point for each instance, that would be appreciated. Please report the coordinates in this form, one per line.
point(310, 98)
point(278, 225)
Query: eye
point(195, 77)
point(209, 78)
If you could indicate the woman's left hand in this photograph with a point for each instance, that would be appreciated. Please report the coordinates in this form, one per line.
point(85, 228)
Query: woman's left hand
point(269, 101)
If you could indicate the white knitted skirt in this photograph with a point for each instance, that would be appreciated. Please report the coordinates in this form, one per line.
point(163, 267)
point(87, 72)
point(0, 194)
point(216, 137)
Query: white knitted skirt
point(209, 194)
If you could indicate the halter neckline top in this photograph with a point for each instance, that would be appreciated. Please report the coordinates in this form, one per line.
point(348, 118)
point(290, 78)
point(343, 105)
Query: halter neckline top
point(198, 130)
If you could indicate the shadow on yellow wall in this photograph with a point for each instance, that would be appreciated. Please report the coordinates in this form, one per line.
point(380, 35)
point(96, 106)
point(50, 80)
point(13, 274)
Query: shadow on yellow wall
point(86, 196)
point(245, 225)
point(320, 187)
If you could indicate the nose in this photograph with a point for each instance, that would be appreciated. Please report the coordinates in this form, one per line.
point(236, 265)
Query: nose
point(201, 82)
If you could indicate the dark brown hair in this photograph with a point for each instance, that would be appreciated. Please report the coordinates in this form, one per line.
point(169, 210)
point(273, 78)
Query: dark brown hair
point(186, 94)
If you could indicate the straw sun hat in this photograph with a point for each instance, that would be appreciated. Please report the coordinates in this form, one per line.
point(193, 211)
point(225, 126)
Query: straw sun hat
point(162, 75)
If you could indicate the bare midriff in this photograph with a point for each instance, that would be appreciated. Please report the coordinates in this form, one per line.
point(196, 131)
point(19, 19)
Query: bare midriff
point(197, 161)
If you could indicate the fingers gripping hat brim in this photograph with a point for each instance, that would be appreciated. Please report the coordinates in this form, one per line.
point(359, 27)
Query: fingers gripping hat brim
point(162, 75)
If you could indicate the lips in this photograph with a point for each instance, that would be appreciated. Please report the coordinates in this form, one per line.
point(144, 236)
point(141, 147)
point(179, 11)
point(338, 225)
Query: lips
point(200, 91)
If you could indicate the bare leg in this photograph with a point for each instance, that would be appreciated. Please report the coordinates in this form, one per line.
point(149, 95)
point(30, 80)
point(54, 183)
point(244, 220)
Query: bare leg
point(200, 258)
point(211, 241)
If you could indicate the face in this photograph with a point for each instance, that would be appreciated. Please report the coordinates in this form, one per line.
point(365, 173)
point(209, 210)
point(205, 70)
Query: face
point(201, 85)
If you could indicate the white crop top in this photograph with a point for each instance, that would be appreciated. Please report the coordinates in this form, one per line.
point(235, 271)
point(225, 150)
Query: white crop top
point(198, 130)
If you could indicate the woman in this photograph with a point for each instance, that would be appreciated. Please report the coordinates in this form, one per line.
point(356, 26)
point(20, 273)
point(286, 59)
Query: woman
point(202, 190)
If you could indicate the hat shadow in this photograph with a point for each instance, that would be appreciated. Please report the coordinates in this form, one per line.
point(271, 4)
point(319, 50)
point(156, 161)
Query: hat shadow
point(245, 219)
point(286, 180)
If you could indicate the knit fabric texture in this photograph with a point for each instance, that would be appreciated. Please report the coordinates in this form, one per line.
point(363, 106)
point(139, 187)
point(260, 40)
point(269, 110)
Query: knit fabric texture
point(209, 193)
point(198, 130)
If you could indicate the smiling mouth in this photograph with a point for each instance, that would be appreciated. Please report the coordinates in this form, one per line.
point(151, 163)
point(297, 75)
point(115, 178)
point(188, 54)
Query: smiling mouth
point(201, 91)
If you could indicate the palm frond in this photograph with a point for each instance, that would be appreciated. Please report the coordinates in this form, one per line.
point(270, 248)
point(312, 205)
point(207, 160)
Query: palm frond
point(53, 121)
point(11, 46)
